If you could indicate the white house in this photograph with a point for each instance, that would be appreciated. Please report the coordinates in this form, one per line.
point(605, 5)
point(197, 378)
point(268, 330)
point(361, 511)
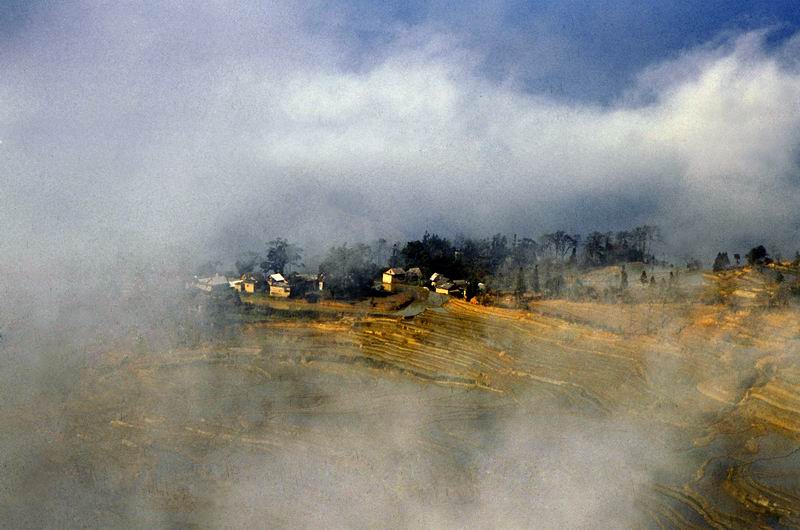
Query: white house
point(279, 286)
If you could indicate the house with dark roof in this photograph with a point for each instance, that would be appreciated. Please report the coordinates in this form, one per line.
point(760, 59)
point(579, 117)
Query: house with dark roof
point(447, 287)
point(413, 275)
point(394, 275)
point(250, 282)
point(450, 287)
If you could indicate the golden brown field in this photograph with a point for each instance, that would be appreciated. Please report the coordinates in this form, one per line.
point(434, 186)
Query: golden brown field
point(648, 414)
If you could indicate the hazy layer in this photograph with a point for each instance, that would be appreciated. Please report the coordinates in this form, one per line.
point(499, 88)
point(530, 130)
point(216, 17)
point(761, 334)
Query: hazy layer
point(135, 127)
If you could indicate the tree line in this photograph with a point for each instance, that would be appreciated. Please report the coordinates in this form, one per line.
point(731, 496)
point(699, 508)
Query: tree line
point(512, 263)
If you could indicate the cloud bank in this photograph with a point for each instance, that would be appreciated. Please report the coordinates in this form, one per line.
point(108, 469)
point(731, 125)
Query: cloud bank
point(140, 127)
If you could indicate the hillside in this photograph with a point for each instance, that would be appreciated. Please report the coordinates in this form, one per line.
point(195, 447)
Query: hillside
point(668, 414)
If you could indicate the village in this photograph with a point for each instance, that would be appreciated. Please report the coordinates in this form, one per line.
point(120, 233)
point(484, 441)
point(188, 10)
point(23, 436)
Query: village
point(582, 327)
point(498, 271)
point(312, 286)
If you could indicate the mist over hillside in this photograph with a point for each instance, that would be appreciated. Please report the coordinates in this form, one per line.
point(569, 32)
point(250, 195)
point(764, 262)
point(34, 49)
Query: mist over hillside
point(140, 141)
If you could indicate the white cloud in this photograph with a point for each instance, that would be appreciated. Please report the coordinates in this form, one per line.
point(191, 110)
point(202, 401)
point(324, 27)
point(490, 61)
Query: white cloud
point(148, 126)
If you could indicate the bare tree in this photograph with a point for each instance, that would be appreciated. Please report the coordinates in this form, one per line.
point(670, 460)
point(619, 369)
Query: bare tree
point(560, 244)
point(280, 255)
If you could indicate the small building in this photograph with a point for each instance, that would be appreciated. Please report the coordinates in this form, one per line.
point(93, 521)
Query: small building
point(452, 288)
point(438, 279)
point(252, 282)
point(394, 275)
point(445, 287)
point(302, 284)
point(413, 275)
point(211, 284)
point(279, 286)
point(280, 290)
point(249, 282)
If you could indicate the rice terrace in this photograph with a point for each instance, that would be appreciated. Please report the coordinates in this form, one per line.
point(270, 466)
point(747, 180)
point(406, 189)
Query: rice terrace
point(400, 264)
point(687, 404)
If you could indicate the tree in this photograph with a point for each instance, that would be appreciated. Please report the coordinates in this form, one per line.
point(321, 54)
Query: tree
point(280, 255)
point(524, 252)
point(554, 284)
point(349, 271)
point(623, 278)
point(536, 287)
point(498, 251)
point(432, 254)
point(560, 244)
point(643, 238)
point(596, 249)
point(520, 287)
point(380, 252)
point(622, 243)
point(394, 259)
point(635, 245)
point(473, 288)
point(247, 262)
point(474, 257)
point(757, 255)
point(643, 277)
point(721, 262)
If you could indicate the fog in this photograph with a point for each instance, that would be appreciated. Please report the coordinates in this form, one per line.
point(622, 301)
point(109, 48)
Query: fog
point(126, 126)
point(138, 140)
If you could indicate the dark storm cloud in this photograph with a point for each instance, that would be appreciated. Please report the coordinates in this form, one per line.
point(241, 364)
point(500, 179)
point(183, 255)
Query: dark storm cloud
point(576, 49)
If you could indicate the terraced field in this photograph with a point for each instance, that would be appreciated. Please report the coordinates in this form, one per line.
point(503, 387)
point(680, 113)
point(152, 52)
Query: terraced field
point(578, 414)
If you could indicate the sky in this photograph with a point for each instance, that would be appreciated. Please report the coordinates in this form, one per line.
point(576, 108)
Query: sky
point(221, 125)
